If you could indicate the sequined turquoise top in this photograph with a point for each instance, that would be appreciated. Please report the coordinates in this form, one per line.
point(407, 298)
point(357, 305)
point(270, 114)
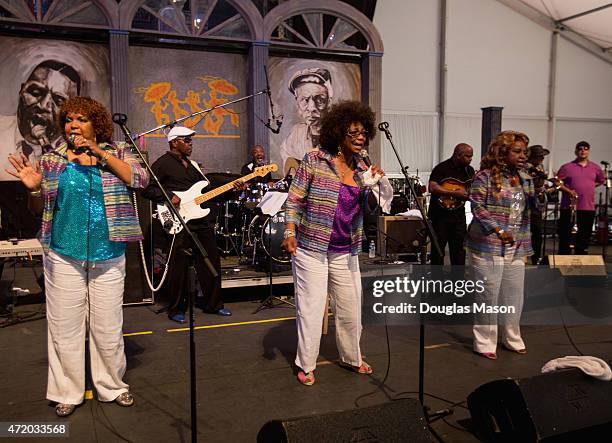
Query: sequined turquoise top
point(80, 199)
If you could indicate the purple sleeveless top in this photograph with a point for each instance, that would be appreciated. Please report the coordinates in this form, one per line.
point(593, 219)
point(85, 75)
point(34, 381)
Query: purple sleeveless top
point(349, 207)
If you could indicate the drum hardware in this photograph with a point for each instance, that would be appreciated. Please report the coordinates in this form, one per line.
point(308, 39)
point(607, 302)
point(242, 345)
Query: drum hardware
point(225, 230)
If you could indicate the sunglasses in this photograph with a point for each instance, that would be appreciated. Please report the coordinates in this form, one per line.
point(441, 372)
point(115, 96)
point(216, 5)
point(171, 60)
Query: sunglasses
point(583, 148)
point(354, 134)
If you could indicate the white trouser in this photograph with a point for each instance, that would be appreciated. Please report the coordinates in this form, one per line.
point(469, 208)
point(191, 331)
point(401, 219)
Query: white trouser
point(316, 275)
point(504, 279)
point(70, 306)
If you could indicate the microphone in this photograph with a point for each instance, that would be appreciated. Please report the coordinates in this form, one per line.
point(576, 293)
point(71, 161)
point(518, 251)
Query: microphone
point(78, 149)
point(365, 157)
point(384, 127)
point(120, 119)
point(277, 119)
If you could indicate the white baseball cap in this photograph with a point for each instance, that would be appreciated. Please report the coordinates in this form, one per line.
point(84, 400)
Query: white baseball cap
point(179, 131)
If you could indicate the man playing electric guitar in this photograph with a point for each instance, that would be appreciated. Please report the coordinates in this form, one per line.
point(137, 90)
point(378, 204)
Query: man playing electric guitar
point(177, 173)
point(448, 184)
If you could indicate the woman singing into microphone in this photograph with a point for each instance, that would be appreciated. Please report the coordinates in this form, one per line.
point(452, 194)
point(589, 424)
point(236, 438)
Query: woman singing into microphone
point(499, 239)
point(324, 232)
point(87, 218)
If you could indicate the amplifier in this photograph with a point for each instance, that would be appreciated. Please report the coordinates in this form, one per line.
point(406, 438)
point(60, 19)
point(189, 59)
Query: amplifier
point(400, 235)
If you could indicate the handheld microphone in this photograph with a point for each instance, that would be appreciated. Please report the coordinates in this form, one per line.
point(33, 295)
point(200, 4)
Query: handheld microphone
point(365, 157)
point(78, 149)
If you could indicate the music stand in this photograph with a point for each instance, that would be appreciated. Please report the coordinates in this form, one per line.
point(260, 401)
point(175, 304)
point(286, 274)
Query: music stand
point(270, 205)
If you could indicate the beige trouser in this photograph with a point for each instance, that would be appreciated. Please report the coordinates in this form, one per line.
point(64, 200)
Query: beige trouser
point(504, 285)
point(69, 310)
point(316, 275)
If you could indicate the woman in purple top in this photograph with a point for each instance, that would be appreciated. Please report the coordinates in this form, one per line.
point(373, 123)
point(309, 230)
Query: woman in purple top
point(324, 232)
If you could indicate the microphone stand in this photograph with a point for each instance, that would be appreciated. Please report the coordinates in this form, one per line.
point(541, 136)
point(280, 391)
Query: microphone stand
point(121, 119)
point(384, 127)
point(606, 219)
point(204, 111)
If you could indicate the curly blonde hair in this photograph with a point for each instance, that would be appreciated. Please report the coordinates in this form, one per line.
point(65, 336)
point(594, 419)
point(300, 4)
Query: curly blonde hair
point(95, 111)
point(495, 158)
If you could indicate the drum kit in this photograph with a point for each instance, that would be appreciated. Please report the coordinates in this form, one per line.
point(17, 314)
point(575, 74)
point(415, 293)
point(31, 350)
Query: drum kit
point(403, 199)
point(243, 230)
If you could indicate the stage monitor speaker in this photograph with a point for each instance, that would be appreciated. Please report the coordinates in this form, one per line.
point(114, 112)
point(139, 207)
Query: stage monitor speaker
point(400, 235)
point(579, 265)
point(401, 420)
point(558, 406)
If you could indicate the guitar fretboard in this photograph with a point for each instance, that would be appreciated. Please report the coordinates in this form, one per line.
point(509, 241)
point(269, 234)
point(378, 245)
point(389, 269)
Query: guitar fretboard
point(226, 187)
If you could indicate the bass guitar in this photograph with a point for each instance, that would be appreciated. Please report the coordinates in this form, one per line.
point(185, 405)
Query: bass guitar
point(191, 199)
point(450, 202)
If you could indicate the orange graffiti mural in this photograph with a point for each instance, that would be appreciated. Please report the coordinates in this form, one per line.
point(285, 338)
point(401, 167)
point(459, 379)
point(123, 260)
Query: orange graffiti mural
point(166, 106)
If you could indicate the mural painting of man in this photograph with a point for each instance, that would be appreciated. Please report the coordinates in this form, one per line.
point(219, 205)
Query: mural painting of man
point(33, 130)
point(313, 92)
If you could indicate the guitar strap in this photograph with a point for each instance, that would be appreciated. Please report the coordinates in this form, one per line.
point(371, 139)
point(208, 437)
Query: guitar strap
point(197, 167)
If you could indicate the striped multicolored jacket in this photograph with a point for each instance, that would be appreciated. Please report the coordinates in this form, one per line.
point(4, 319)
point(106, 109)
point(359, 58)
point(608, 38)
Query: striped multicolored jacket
point(492, 211)
point(120, 215)
point(312, 201)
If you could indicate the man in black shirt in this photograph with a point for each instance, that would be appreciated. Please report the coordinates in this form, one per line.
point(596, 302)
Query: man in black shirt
point(446, 207)
point(258, 158)
point(177, 173)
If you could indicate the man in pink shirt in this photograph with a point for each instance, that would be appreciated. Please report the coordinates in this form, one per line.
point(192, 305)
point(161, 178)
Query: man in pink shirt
point(580, 177)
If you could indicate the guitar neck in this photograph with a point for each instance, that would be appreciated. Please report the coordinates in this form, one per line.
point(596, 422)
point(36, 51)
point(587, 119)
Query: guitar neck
point(224, 188)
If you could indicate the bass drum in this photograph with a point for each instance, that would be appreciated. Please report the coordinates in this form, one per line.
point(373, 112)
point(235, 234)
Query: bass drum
point(266, 233)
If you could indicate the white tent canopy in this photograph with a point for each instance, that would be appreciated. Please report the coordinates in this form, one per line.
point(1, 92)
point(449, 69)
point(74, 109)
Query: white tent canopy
point(581, 21)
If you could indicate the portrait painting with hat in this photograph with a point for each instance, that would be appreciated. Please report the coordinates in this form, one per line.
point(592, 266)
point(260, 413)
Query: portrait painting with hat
point(313, 92)
point(304, 89)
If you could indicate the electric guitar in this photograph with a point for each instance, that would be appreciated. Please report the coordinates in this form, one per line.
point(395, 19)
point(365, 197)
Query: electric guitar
point(191, 199)
point(450, 202)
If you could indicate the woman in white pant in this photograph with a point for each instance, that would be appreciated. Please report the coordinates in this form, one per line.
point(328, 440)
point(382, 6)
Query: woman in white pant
point(499, 239)
point(87, 219)
point(324, 233)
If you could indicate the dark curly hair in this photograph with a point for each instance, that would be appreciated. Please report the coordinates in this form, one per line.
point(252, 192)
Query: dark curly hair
point(93, 110)
point(336, 122)
point(495, 158)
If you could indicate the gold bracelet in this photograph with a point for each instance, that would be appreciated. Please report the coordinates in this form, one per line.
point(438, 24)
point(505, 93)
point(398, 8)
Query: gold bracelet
point(36, 193)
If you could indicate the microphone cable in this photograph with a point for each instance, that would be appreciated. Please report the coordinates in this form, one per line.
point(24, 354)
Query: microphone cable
point(143, 259)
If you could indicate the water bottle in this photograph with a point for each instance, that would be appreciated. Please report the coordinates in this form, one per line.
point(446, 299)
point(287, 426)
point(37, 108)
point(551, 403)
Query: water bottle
point(372, 249)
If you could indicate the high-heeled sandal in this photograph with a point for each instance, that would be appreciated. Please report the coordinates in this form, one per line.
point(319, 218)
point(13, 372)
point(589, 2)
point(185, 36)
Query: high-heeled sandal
point(126, 400)
point(64, 409)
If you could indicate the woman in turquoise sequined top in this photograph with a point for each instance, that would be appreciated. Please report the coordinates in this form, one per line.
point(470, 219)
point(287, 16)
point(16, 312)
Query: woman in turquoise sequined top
point(87, 218)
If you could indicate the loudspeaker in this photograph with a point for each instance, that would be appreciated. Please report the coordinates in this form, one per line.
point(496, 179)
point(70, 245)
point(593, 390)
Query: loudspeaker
point(400, 235)
point(401, 420)
point(136, 290)
point(550, 407)
point(578, 265)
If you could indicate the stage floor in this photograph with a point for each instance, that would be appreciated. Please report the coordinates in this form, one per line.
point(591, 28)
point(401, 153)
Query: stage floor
point(246, 374)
